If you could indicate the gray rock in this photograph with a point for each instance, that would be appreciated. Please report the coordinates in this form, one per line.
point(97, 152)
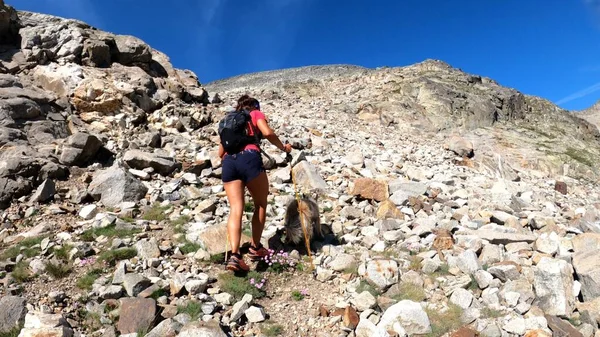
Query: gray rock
point(587, 267)
point(12, 313)
point(44, 192)
point(209, 308)
point(342, 262)
point(460, 146)
point(483, 278)
point(307, 177)
point(111, 292)
point(223, 298)
point(401, 191)
point(114, 186)
point(119, 273)
point(462, 297)
point(12, 189)
point(88, 212)
point(255, 314)
point(195, 287)
point(467, 262)
point(240, 307)
point(136, 314)
point(409, 314)
point(135, 284)
point(495, 237)
point(553, 283)
point(366, 328)
point(147, 249)
point(547, 243)
point(491, 254)
point(42, 324)
point(202, 329)
point(79, 149)
point(363, 301)
point(351, 212)
point(131, 50)
point(96, 53)
point(166, 328)
point(505, 272)
point(142, 160)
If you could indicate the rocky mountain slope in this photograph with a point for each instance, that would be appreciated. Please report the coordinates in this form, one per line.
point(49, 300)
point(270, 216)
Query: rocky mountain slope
point(453, 206)
point(591, 114)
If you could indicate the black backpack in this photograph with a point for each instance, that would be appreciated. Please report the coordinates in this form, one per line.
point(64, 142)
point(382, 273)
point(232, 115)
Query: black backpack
point(233, 131)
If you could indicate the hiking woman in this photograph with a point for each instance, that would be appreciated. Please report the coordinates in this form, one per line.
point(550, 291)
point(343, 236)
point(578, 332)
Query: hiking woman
point(245, 169)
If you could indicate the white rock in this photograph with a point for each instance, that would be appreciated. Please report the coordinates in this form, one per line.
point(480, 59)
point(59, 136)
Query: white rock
point(88, 212)
point(410, 315)
point(255, 314)
point(462, 298)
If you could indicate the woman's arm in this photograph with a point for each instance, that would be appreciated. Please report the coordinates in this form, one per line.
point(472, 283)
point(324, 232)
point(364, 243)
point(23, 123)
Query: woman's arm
point(221, 151)
point(270, 135)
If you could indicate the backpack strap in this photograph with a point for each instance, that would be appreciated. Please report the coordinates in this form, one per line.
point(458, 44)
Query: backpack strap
point(257, 139)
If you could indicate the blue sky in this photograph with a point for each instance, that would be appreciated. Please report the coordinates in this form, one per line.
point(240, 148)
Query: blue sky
point(547, 48)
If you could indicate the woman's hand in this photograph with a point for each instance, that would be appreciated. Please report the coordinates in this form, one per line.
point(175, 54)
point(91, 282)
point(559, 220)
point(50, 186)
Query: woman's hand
point(287, 148)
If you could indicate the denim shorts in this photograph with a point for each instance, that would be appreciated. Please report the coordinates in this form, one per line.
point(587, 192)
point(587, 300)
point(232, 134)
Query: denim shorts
point(245, 166)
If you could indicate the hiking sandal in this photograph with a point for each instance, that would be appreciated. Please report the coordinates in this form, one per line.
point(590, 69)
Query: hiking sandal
point(236, 263)
point(257, 253)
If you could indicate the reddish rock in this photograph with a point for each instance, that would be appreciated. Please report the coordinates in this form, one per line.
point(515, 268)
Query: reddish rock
point(370, 189)
point(136, 314)
point(465, 332)
point(323, 312)
point(388, 210)
point(560, 187)
point(351, 318)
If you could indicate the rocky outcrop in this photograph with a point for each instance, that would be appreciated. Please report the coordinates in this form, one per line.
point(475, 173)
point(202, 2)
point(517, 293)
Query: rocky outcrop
point(69, 93)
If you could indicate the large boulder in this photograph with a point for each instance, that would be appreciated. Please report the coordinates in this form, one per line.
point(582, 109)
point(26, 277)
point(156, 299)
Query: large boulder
point(410, 315)
point(12, 312)
point(141, 160)
point(59, 79)
point(79, 149)
point(553, 283)
point(131, 50)
point(13, 189)
point(8, 24)
point(38, 324)
point(46, 38)
point(97, 95)
point(96, 53)
point(587, 268)
point(114, 186)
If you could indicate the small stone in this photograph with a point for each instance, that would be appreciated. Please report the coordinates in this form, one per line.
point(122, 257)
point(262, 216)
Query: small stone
point(342, 262)
point(560, 187)
point(350, 318)
point(147, 249)
point(462, 298)
point(195, 287)
point(363, 301)
point(467, 262)
point(223, 298)
point(135, 283)
point(88, 212)
point(44, 192)
point(255, 314)
point(382, 273)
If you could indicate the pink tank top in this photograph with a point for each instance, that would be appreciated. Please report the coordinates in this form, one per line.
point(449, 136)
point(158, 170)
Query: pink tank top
point(255, 115)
